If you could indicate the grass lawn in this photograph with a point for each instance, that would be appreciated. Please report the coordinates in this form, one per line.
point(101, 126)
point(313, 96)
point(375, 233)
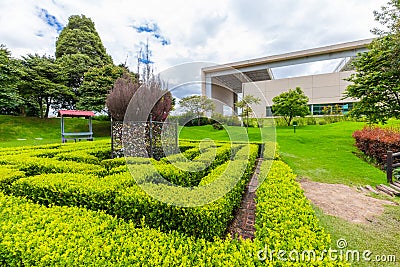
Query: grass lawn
point(44, 131)
point(380, 236)
point(229, 133)
point(325, 153)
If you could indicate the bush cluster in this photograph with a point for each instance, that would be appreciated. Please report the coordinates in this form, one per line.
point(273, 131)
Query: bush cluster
point(65, 232)
point(33, 235)
point(374, 142)
point(285, 220)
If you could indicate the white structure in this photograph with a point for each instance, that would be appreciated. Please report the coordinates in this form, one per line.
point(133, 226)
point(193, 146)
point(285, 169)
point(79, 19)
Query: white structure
point(224, 82)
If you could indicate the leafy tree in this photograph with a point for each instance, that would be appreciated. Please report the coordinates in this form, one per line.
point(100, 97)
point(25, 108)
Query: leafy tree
point(196, 105)
point(80, 37)
point(97, 83)
point(291, 104)
point(79, 48)
point(245, 105)
point(10, 100)
point(376, 83)
point(42, 81)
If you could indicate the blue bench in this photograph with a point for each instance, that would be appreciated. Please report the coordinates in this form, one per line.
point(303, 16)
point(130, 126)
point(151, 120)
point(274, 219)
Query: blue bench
point(80, 136)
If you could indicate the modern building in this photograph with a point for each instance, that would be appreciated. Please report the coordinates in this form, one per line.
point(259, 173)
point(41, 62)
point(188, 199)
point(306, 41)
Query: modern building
point(226, 83)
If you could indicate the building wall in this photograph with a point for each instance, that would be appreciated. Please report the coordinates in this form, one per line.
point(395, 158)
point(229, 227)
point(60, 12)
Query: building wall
point(320, 89)
point(221, 96)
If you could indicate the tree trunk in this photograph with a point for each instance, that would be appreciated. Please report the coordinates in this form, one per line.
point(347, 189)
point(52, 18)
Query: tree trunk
point(289, 121)
point(46, 115)
point(40, 107)
point(198, 119)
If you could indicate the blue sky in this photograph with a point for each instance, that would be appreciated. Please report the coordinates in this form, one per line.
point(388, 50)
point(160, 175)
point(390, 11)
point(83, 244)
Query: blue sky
point(182, 31)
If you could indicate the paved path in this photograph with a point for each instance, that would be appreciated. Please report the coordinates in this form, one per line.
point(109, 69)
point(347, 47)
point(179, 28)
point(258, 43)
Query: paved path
point(242, 225)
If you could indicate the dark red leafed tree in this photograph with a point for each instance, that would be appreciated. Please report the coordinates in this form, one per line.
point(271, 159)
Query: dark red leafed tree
point(152, 97)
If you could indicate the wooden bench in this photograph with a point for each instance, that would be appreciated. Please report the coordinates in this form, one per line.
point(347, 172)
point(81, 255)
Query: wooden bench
point(80, 136)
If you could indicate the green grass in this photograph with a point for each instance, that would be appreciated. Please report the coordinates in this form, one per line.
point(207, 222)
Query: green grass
point(229, 133)
point(43, 131)
point(381, 236)
point(326, 153)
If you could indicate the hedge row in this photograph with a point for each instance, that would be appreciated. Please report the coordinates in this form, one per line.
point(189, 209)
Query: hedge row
point(119, 195)
point(8, 175)
point(375, 142)
point(207, 221)
point(285, 219)
point(189, 173)
point(36, 166)
point(33, 235)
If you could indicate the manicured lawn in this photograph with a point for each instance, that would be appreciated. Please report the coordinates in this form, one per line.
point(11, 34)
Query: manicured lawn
point(381, 236)
point(43, 131)
point(326, 153)
point(323, 153)
point(230, 133)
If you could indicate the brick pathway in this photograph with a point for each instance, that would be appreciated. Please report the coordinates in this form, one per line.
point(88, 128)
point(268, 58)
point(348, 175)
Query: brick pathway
point(242, 225)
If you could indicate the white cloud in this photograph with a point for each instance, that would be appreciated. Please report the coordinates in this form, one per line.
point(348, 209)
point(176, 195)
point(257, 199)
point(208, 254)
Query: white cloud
point(214, 31)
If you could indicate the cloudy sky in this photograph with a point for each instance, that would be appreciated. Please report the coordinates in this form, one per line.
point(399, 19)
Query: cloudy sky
point(182, 31)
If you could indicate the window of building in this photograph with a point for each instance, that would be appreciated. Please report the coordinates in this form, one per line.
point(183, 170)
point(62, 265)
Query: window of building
point(330, 108)
point(268, 112)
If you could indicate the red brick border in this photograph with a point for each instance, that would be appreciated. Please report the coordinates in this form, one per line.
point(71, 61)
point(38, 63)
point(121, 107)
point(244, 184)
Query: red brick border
point(242, 226)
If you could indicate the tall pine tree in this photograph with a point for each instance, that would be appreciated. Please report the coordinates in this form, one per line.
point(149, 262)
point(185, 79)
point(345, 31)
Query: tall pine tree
point(79, 48)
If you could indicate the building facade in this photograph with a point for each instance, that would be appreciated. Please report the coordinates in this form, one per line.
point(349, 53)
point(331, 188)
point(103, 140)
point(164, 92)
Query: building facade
point(226, 83)
point(322, 90)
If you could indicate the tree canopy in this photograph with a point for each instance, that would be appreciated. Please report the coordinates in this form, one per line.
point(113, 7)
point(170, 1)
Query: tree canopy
point(43, 81)
point(80, 37)
point(10, 100)
point(78, 49)
point(149, 98)
point(245, 105)
point(376, 83)
point(97, 83)
point(290, 104)
point(196, 105)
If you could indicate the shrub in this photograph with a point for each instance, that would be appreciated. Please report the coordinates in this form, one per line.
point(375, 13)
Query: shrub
point(285, 219)
point(375, 142)
point(218, 126)
point(33, 235)
point(8, 176)
point(77, 156)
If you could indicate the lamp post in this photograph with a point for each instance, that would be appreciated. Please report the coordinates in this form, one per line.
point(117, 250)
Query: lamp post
point(294, 126)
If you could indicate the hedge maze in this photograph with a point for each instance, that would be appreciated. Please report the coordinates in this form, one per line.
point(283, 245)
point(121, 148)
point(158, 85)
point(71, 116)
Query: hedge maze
point(70, 205)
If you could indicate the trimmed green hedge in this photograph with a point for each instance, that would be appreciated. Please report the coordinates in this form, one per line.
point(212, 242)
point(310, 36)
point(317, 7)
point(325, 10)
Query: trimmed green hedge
point(33, 235)
point(82, 185)
point(8, 174)
point(285, 219)
point(224, 185)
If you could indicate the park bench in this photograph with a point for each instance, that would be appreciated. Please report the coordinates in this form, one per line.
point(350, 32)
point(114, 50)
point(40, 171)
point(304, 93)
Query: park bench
point(77, 136)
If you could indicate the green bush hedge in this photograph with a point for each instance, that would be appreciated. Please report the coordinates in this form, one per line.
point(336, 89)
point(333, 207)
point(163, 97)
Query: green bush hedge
point(8, 174)
point(224, 185)
point(285, 219)
point(33, 235)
